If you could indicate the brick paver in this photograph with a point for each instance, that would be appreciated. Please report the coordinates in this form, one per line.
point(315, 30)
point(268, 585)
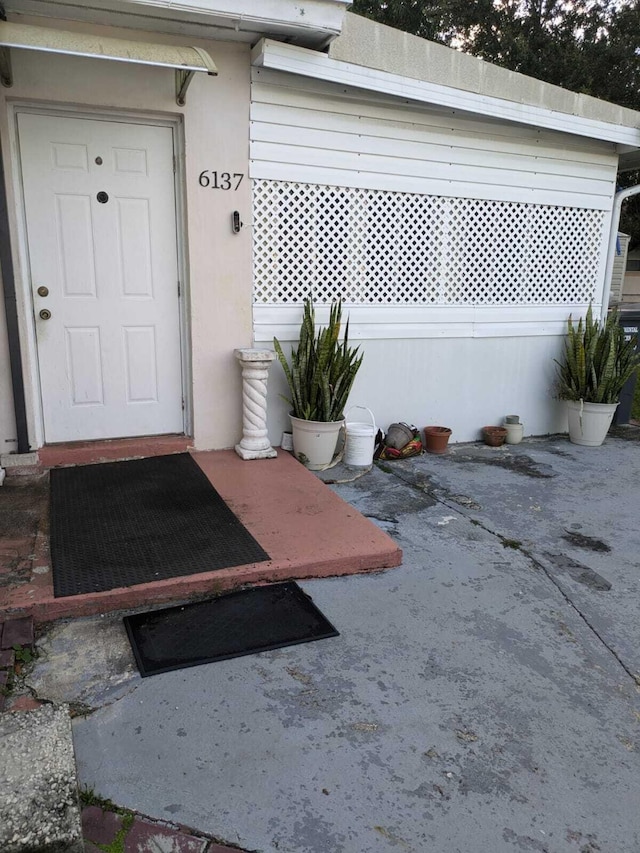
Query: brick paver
point(7, 659)
point(17, 632)
point(101, 828)
point(14, 632)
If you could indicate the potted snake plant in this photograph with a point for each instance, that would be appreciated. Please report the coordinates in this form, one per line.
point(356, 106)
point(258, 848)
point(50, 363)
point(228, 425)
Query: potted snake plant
point(320, 375)
point(596, 366)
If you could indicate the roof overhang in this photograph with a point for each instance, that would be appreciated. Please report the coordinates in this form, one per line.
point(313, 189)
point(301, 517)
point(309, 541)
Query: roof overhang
point(312, 23)
point(308, 63)
point(186, 61)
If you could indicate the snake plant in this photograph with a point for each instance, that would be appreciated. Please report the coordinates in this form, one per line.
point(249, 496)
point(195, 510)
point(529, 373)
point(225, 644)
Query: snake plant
point(597, 360)
point(322, 367)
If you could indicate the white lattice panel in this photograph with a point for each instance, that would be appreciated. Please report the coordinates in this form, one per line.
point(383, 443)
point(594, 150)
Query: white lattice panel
point(389, 248)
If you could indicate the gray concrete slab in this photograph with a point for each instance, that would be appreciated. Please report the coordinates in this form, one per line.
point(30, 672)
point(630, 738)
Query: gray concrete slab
point(575, 509)
point(86, 663)
point(468, 705)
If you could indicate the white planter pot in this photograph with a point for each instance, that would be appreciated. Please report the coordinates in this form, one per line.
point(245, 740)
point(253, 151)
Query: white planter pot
point(314, 442)
point(589, 422)
point(515, 433)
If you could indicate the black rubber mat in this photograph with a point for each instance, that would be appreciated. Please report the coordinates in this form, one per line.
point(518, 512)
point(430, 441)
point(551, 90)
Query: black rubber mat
point(124, 523)
point(239, 623)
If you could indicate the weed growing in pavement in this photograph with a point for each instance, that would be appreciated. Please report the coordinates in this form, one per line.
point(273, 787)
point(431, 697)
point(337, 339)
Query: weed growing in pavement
point(24, 654)
point(88, 797)
point(117, 845)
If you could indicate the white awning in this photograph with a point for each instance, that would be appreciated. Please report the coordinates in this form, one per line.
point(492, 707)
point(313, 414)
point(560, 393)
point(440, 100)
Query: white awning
point(185, 60)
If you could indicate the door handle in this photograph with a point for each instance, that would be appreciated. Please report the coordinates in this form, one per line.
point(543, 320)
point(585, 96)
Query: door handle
point(43, 291)
point(45, 314)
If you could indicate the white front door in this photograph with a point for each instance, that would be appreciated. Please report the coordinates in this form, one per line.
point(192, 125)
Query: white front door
point(101, 233)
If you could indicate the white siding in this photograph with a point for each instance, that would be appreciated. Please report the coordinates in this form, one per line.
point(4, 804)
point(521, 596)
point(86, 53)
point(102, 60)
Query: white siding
point(334, 141)
point(619, 268)
point(485, 299)
point(314, 132)
point(462, 383)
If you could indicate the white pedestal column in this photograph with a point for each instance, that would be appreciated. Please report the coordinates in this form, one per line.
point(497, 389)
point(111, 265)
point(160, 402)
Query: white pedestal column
point(255, 373)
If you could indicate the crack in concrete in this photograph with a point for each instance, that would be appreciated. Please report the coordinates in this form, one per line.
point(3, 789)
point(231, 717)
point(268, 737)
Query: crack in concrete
point(383, 519)
point(76, 707)
point(454, 506)
point(79, 708)
point(539, 562)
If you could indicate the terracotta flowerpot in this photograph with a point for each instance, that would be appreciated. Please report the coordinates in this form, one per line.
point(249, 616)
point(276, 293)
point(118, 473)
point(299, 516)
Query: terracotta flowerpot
point(494, 436)
point(436, 438)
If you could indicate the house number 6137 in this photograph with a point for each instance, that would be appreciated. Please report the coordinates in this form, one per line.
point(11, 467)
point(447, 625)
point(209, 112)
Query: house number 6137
point(220, 180)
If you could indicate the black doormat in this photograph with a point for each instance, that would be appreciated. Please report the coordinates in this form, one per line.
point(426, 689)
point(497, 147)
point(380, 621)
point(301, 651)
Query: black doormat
point(239, 623)
point(124, 523)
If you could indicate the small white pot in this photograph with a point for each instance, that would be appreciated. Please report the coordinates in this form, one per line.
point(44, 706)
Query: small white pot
point(314, 442)
point(514, 433)
point(589, 422)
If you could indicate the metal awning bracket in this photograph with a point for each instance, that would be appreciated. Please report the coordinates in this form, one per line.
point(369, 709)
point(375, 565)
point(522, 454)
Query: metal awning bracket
point(6, 74)
point(183, 78)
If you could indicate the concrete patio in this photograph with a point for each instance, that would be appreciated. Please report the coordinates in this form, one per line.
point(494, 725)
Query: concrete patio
point(484, 696)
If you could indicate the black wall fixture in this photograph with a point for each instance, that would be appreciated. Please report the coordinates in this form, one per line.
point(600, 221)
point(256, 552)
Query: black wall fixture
point(11, 310)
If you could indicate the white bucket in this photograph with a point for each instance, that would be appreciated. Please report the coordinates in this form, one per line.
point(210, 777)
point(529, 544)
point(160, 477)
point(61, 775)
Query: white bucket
point(360, 441)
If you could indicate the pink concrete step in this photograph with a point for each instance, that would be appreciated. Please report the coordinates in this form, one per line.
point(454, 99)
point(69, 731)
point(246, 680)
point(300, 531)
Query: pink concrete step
point(87, 452)
point(306, 529)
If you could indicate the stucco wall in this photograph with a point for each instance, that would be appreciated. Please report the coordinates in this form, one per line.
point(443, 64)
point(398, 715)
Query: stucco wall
point(219, 262)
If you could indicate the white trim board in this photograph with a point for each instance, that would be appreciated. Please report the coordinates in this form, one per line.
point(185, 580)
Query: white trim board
point(309, 63)
point(394, 322)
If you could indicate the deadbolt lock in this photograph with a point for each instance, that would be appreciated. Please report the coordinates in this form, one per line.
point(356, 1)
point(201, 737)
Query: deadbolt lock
point(45, 314)
point(43, 291)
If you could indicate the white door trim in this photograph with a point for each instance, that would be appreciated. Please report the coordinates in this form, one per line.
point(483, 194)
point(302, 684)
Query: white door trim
point(24, 293)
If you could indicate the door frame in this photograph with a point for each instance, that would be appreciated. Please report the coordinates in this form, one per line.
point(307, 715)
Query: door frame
point(33, 384)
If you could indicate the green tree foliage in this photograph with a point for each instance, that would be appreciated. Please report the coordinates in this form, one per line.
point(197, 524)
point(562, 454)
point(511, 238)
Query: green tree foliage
point(424, 19)
point(587, 46)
